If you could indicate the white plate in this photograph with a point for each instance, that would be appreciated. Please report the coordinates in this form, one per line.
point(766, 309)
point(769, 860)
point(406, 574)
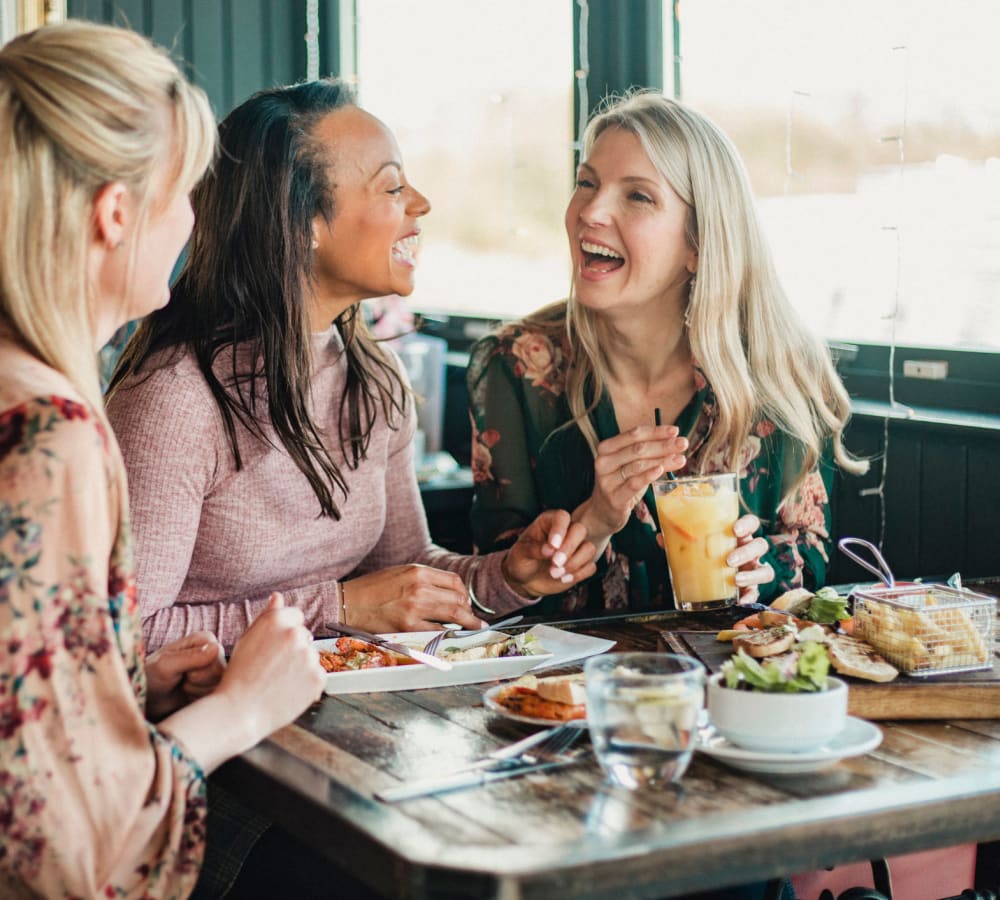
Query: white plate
point(493, 705)
point(857, 737)
point(563, 647)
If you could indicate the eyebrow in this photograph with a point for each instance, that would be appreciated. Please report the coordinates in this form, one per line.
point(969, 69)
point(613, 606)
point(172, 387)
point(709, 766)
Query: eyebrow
point(631, 179)
point(387, 165)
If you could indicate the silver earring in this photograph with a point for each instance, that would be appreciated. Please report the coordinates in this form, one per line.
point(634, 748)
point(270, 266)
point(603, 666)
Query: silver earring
point(315, 244)
point(692, 282)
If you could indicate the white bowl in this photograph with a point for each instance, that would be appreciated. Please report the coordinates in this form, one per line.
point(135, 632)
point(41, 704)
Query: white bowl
point(777, 723)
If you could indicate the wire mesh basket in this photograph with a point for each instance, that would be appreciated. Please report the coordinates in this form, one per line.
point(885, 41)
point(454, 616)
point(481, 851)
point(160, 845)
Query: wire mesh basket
point(927, 629)
point(922, 629)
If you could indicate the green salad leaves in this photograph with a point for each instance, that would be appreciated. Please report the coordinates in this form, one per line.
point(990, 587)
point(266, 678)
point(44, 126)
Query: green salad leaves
point(827, 607)
point(804, 669)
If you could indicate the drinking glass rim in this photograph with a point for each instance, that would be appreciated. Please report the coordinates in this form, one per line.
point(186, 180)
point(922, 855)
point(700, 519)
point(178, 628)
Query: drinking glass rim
point(688, 479)
point(605, 663)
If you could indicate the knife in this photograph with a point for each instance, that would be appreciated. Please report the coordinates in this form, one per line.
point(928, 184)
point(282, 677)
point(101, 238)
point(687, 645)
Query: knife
point(460, 780)
point(386, 644)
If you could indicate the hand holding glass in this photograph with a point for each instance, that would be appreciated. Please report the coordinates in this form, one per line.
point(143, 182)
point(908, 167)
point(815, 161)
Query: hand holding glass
point(642, 712)
point(697, 516)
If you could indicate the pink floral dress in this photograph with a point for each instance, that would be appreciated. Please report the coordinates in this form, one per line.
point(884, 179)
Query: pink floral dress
point(523, 462)
point(95, 801)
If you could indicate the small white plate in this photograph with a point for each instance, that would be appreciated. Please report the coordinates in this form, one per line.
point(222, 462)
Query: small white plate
point(857, 737)
point(493, 705)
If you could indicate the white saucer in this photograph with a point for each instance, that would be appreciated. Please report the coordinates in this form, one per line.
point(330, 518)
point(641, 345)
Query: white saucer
point(857, 737)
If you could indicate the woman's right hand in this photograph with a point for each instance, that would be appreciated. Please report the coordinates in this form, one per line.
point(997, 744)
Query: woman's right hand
point(410, 597)
point(624, 468)
point(274, 672)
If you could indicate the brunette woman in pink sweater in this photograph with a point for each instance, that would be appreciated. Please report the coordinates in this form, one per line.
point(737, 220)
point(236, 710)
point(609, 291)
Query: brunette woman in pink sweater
point(268, 449)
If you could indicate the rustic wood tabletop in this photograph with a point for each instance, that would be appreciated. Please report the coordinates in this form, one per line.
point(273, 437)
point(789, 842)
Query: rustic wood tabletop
point(568, 833)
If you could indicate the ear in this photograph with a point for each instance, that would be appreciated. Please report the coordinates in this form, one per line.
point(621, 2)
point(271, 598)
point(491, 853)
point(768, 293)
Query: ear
point(112, 214)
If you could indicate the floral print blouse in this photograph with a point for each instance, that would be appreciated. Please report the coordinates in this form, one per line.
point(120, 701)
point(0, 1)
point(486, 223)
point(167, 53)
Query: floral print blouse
point(95, 801)
point(522, 464)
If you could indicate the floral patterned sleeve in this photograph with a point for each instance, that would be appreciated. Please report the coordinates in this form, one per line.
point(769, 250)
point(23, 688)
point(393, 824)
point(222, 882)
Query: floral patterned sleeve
point(798, 531)
point(505, 500)
point(95, 801)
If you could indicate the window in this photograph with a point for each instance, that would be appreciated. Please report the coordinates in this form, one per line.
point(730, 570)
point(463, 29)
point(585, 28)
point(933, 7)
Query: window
point(871, 131)
point(480, 96)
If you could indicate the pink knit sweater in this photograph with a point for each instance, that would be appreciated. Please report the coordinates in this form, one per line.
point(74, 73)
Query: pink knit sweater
point(212, 542)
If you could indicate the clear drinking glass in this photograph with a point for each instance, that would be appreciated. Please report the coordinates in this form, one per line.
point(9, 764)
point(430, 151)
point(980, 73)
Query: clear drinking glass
point(642, 712)
point(696, 516)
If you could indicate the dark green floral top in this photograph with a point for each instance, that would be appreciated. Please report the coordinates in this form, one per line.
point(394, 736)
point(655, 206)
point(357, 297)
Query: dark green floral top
point(523, 464)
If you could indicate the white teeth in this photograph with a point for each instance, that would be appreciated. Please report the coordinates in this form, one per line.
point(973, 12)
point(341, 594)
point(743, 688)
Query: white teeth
point(600, 250)
point(406, 249)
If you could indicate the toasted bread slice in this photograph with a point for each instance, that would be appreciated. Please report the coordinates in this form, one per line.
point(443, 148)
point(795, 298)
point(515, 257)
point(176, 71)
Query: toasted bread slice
point(795, 601)
point(850, 656)
point(769, 642)
point(563, 689)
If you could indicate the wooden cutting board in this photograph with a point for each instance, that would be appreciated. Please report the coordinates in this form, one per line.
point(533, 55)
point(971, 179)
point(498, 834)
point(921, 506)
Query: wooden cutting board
point(962, 695)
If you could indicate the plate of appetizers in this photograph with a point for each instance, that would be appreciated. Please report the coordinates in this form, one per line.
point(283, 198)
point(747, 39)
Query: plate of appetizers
point(356, 667)
point(539, 701)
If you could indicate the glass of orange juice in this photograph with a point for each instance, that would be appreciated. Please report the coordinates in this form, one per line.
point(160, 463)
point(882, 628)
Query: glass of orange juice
point(696, 516)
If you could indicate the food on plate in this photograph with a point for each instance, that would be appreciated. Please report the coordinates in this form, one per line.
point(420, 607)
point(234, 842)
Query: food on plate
point(351, 654)
point(768, 642)
point(517, 645)
point(924, 639)
point(851, 656)
point(803, 669)
point(560, 698)
point(795, 601)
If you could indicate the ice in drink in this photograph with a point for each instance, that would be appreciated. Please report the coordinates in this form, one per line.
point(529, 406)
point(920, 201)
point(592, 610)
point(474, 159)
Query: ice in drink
point(696, 519)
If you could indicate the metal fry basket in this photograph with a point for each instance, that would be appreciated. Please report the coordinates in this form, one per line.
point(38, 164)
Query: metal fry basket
point(924, 629)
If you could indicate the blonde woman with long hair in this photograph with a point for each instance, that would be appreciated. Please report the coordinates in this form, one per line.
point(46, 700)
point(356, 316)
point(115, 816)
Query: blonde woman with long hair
point(676, 306)
point(103, 750)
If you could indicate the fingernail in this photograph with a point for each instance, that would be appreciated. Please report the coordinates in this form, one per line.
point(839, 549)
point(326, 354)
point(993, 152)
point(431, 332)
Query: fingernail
point(559, 559)
point(556, 572)
point(566, 579)
point(556, 540)
point(742, 578)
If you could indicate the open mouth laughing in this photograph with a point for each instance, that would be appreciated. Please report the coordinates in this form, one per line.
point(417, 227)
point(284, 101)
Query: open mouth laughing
point(405, 250)
point(599, 259)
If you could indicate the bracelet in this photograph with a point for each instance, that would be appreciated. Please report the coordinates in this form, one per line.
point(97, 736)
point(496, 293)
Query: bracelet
point(342, 603)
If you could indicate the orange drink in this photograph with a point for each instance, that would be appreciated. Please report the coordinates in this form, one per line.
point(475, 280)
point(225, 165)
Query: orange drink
point(696, 519)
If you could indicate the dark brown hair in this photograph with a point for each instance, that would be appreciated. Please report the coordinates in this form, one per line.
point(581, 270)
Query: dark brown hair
point(243, 286)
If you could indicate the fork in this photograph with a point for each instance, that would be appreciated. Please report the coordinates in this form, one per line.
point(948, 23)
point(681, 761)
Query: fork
point(432, 645)
point(548, 753)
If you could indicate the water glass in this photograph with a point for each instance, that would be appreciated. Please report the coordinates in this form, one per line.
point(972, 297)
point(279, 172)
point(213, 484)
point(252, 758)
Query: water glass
point(642, 712)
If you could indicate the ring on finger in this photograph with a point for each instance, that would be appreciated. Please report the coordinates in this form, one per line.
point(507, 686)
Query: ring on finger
point(621, 472)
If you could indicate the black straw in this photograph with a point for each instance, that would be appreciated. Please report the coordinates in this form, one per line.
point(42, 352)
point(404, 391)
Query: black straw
point(658, 418)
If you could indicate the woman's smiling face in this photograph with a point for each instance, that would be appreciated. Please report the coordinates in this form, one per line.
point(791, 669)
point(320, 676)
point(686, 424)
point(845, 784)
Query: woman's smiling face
point(369, 249)
point(626, 228)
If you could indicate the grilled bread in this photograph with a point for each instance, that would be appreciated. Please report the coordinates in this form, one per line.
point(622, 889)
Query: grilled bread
point(769, 642)
point(850, 656)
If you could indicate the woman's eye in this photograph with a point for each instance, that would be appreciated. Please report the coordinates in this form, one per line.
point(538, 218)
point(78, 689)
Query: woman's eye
point(396, 190)
point(640, 197)
point(584, 183)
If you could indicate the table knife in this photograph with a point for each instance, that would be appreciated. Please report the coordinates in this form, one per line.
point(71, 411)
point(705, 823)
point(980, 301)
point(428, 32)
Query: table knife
point(460, 780)
point(386, 644)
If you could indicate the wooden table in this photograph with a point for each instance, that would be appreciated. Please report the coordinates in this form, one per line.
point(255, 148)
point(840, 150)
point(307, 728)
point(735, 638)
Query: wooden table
point(569, 834)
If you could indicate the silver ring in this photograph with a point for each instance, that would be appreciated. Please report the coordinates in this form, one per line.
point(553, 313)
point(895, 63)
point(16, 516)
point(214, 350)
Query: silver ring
point(621, 472)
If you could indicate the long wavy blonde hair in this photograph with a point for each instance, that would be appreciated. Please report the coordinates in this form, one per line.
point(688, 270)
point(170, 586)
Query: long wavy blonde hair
point(756, 353)
point(81, 106)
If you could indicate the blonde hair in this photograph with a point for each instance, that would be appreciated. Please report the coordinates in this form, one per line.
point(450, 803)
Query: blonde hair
point(81, 106)
point(756, 353)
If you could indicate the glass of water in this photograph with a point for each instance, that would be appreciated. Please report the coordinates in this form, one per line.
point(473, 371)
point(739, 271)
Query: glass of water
point(643, 711)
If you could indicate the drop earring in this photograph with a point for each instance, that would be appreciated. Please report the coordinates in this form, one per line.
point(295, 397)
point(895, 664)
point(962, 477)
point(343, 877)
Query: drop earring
point(315, 244)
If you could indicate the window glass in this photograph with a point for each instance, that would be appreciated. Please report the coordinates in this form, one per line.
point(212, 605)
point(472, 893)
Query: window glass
point(479, 95)
point(817, 96)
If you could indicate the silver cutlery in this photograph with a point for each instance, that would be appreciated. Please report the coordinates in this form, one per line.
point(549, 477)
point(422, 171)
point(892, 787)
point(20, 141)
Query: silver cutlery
point(366, 636)
point(449, 633)
point(538, 753)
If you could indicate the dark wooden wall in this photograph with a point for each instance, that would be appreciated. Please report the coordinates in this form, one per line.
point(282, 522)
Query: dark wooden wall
point(942, 497)
point(231, 48)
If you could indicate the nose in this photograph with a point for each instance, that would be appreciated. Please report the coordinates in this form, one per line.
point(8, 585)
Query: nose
point(418, 205)
point(595, 209)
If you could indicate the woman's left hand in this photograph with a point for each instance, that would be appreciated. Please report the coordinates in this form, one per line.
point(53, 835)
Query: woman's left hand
point(551, 554)
point(182, 671)
point(750, 572)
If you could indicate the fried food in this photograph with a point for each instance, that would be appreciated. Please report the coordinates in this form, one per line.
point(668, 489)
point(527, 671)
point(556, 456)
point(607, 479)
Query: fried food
point(352, 654)
point(525, 701)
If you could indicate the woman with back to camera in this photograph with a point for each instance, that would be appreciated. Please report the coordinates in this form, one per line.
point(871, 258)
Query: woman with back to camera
point(268, 450)
point(675, 305)
point(103, 757)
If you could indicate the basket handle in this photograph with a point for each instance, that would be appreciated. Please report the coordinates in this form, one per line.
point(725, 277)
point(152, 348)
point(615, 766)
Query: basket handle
point(883, 572)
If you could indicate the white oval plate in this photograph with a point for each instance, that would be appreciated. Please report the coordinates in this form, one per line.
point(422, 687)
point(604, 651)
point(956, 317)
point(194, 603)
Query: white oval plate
point(491, 703)
point(857, 737)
